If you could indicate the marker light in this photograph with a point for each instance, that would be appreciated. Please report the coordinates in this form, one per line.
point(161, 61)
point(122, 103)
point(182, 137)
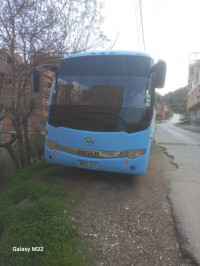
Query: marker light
point(54, 153)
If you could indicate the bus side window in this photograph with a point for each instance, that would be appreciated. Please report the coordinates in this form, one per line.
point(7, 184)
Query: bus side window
point(148, 97)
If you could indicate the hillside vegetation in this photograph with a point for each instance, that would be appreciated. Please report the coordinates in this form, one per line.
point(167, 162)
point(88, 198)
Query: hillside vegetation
point(176, 101)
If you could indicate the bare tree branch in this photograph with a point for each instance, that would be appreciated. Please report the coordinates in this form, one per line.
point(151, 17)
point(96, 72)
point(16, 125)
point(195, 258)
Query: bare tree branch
point(34, 33)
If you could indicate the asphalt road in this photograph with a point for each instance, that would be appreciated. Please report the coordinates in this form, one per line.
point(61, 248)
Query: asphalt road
point(184, 189)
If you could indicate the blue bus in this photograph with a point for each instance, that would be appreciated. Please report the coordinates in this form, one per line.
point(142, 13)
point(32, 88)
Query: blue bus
point(101, 112)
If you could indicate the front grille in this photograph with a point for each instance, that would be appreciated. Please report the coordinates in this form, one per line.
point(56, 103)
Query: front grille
point(82, 152)
point(131, 154)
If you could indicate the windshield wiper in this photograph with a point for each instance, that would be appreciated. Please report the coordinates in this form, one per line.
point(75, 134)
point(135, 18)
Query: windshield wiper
point(116, 115)
point(121, 119)
point(58, 120)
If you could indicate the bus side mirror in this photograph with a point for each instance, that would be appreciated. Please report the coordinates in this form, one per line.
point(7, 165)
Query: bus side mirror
point(35, 81)
point(159, 74)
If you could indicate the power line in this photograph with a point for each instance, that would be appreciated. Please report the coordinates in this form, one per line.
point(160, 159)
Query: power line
point(142, 26)
point(139, 23)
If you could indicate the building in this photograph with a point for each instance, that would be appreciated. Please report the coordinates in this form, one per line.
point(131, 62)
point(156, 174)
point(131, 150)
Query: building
point(161, 111)
point(12, 85)
point(193, 103)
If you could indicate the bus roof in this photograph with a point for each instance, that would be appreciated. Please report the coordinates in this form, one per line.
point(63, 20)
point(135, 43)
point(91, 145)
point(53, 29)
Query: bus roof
point(95, 53)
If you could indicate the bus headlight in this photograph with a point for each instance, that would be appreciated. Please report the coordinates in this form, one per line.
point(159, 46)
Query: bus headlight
point(131, 154)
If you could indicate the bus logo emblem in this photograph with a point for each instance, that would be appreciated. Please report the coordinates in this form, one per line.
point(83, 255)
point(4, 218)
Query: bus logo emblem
point(89, 141)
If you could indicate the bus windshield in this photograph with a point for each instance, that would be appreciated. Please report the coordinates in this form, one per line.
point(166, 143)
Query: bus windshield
point(101, 93)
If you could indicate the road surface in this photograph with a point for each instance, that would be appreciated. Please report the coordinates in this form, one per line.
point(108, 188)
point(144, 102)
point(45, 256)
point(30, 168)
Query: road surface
point(184, 188)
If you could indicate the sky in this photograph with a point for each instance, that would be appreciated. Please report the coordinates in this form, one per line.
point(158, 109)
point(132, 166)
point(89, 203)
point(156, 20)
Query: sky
point(171, 33)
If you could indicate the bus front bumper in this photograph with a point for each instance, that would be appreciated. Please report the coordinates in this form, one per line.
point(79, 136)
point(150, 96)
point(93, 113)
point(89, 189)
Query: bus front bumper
point(119, 165)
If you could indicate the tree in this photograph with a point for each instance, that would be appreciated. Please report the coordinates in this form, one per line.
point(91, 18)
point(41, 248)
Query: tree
point(177, 100)
point(33, 33)
point(2, 172)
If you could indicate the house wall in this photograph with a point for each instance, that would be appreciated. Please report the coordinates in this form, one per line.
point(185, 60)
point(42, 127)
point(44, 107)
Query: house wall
point(194, 90)
point(161, 110)
point(8, 93)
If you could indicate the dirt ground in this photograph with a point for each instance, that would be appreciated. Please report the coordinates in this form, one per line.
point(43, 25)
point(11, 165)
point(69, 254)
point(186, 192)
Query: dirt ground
point(126, 218)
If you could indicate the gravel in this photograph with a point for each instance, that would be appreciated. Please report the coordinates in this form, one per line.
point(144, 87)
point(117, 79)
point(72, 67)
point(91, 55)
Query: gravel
point(127, 219)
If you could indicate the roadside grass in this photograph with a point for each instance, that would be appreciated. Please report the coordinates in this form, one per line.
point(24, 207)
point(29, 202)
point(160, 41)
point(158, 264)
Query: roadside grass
point(42, 221)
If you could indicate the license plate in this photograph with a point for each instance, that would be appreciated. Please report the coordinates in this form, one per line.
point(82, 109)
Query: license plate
point(88, 164)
